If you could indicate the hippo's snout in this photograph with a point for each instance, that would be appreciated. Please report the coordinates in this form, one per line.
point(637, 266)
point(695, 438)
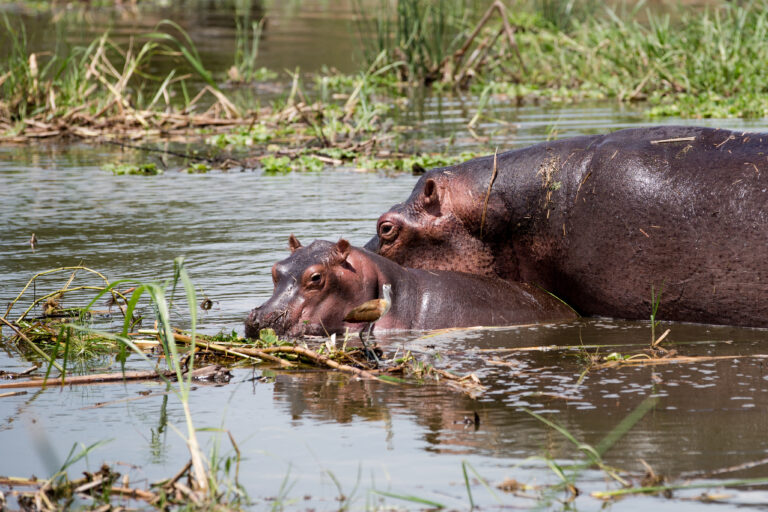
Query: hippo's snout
point(253, 324)
point(264, 317)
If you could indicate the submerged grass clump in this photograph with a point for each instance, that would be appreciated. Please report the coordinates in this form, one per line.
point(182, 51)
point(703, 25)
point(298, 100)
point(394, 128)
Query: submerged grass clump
point(205, 490)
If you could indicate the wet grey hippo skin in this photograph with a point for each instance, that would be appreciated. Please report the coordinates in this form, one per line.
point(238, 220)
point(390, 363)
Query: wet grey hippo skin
point(317, 285)
point(599, 219)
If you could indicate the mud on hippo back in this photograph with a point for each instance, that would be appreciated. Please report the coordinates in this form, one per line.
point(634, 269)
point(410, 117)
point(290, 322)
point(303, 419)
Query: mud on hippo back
point(317, 285)
point(599, 219)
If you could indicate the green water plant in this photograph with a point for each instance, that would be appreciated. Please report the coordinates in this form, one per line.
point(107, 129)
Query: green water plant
point(211, 480)
point(592, 455)
point(418, 33)
point(705, 62)
point(145, 169)
point(177, 361)
point(75, 90)
point(655, 304)
point(245, 67)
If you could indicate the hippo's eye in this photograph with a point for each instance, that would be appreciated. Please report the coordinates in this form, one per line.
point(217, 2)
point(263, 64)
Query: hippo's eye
point(386, 230)
point(313, 278)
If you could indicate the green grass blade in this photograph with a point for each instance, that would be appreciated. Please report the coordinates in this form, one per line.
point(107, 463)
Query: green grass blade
point(412, 499)
point(626, 424)
point(674, 487)
point(481, 479)
point(466, 484)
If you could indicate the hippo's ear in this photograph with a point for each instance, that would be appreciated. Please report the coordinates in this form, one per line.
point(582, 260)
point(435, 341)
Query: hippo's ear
point(293, 243)
point(340, 252)
point(430, 193)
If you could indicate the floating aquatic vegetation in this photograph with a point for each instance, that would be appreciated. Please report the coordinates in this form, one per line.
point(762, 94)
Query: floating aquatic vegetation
point(146, 169)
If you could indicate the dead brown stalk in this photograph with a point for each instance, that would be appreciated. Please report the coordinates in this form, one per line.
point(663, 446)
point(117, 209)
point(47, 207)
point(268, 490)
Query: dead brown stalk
point(99, 378)
point(450, 68)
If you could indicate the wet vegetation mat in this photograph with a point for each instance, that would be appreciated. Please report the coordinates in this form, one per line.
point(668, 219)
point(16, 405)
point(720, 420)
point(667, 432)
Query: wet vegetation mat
point(106, 92)
point(72, 333)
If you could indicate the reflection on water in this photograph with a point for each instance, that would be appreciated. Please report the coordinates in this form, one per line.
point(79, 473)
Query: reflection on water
point(304, 34)
point(710, 416)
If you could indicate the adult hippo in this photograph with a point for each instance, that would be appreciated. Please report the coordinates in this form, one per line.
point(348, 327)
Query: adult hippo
point(600, 219)
point(317, 285)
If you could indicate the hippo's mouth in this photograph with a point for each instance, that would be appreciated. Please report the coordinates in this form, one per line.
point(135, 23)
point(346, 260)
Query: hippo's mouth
point(283, 322)
point(278, 321)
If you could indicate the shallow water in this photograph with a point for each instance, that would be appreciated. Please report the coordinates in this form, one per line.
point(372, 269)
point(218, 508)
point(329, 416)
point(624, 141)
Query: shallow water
point(312, 427)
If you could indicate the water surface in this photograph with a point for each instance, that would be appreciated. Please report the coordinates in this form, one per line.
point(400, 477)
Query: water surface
point(310, 428)
point(304, 425)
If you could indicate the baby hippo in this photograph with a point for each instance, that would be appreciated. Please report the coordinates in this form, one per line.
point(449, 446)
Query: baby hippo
point(317, 285)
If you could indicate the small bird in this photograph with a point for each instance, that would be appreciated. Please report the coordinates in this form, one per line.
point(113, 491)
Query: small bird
point(370, 312)
point(33, 242)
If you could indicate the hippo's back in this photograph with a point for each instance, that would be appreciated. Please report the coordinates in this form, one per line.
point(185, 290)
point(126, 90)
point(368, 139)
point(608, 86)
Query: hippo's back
point(457, 299)
point(683, 209)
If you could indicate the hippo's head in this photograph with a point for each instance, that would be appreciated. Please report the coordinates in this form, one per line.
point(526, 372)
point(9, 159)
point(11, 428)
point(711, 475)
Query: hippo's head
point(314, 288)
point(434, 229)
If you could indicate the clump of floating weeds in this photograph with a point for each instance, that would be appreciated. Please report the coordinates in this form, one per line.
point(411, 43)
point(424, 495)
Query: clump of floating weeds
point(204, 485)
point(51, 325)
point(107, 90)
point(146, 169)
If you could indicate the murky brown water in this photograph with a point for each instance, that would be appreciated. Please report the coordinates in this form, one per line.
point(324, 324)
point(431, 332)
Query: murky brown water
point(311, 427)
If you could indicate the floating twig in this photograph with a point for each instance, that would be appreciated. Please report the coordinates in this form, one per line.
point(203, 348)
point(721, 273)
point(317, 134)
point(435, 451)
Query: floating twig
point(324, 361)
point(99, 378)
point(661, 338)
point(80, 485)
point(12, 393)
point(672, 360)
point(245, 352)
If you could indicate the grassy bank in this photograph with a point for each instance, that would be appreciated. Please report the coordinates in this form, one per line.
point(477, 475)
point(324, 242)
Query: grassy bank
point(690, 62)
